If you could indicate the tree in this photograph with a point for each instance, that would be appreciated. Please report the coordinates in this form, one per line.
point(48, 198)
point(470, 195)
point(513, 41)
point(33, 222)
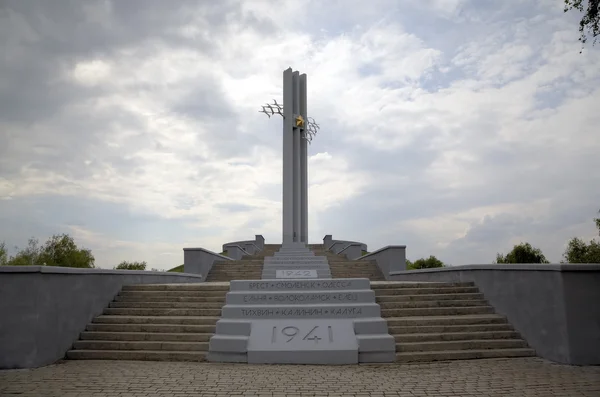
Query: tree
point(429, 263)
point(29, 256)
point(579, 252)
point(522, 253)
point(3, 254)
point(131, 266)
point(590, 21)
point(59, 250)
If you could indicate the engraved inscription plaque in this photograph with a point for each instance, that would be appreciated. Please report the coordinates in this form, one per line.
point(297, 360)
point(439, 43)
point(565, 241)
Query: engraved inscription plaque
point(296, 273)
point(305, 341)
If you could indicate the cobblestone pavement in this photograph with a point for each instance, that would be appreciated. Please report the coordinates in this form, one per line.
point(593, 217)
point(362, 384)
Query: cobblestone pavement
point(495, 377)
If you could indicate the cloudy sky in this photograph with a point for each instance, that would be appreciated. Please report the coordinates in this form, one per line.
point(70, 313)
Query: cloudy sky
point(456, 127)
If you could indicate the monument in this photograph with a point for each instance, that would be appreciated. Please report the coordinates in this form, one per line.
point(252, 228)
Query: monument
point(298, 314)
point(298, 130)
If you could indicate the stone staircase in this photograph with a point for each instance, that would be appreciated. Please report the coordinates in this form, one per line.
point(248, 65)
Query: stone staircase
point(445, 321)
point(243, 269)
point(250, 266)
point(174, 322)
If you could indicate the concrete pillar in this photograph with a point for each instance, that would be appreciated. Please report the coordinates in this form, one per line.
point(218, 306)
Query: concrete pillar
point(288, 158)
point(303, 166)
point(295, 167)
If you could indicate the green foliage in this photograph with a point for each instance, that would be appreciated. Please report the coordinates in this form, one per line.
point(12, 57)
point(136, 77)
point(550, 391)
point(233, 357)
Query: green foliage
point(424, 263)
point(364, 252)
point(579, 252)
point(59, 250)
point(590, 20)
point(131, 266)
point(3, 254)
point(177, 269)
point(29, 256)
point(522, 253)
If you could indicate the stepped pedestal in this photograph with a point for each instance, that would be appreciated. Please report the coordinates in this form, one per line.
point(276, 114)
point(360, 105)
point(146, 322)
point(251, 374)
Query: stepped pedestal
point(295, 262)
point(321, 321)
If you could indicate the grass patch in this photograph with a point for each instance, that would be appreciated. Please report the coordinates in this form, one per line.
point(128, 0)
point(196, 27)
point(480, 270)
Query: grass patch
point(178, 269)
point(365, 253)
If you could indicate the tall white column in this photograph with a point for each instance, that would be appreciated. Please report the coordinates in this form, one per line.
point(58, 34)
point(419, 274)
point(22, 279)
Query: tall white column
point(303, 166)
point(288, 158)
point(297, 161)
point(295, 177)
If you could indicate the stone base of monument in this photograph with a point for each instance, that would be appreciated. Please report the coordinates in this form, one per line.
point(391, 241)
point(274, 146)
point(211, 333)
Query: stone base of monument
point(320, 321)
point(295, 261)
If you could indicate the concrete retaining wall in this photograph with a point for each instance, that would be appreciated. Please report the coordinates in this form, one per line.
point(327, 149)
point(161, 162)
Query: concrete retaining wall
point(250, 246)
point(556, 307)
point(43, 309)
point(328, 241)
point(200, 261)
point(389, 259)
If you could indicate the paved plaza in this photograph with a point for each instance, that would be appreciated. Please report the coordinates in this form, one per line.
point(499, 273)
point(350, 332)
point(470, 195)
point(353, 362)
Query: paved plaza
point(493, 377)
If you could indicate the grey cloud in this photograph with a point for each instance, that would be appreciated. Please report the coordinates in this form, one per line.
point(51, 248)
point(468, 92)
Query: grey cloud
point(46, 123)
point(235, 207)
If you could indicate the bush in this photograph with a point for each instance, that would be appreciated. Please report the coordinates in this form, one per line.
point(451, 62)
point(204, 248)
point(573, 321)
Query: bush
point(131, 266)
point(579, 252)
point(428, 263)
point(3, 254)
point(59, 250)
point(522, 253)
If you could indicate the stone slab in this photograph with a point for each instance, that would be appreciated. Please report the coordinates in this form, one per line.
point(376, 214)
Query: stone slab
point(364, 326)
point(299, 285)
point(308, 341)
point(284, 259)
point(290, 265)
point(226, 326)
point(296, 260)
point(296, 273)
point(316, 311)
point(320, 274)
point(271, 274)
point(376, 343)
point(228, 343)
point(304, 297)
point(275, 266)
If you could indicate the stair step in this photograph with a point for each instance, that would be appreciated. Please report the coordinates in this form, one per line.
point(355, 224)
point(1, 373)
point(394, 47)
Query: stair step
point(178, 287)
point(146, 355)
point(425, 297)
point(170, 298)
point(167, 328)
point(454, 336)
point(431, 311)
point(425, 329)
point(473, 344)
point(463, 354)
point(139, 345)
point(418, 284)
point(145, 336)
point(432, 304)
point(176, 294)
point(166, 305)
point(424, 291)
point(445, 320)
point(162, 312)
point(187, 320)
